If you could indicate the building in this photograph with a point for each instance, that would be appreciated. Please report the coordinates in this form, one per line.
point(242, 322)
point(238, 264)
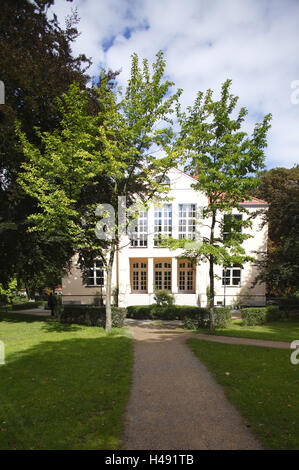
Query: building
point(141, 264)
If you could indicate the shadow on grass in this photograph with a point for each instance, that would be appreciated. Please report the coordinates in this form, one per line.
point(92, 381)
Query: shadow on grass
point(67, 394)
point(52, 325)
point(21, 317)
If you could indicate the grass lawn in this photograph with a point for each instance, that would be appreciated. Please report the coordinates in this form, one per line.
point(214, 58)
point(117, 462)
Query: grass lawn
point(62, 386)
point(283, 330)
point(262, 383)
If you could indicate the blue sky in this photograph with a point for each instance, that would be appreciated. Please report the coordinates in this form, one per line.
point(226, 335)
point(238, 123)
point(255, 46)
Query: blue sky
point(253, 42)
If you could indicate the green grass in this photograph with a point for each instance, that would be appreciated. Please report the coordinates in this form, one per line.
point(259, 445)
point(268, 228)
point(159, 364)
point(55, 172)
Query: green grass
point(262, 383)
point(62, 386)
point(283, 330)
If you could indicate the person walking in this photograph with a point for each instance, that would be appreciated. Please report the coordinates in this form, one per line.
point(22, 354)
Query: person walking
point(52, 302)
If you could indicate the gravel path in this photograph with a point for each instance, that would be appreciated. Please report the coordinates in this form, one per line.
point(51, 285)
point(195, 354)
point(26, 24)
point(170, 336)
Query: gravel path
point(246, 341)
point(175, 403)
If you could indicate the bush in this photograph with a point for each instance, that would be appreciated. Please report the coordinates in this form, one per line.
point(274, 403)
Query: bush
point(91, 315)
point(163, 298)
point(260, 315)
point(155, 312)
point(289, 303)
point(189, 315)
point(25, 306)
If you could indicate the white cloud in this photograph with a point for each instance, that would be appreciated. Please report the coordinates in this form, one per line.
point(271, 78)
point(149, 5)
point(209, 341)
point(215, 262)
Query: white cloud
point(253, 42)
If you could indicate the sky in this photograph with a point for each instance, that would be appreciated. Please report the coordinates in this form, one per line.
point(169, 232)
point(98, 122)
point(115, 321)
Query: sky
point(253, 42)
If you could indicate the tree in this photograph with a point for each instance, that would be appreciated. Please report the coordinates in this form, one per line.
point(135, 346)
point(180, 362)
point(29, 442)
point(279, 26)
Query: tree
point(225, 162)
point(96, 157)
point(36, 65)
point(280, 265)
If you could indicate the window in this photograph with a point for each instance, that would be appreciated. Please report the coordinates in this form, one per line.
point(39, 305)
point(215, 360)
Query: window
point(187, 222)
point(186, 276)
point(230, 224)
point(139, 236)
point(163, 222)
point(162, 274)
point(139, 276)
point(95, 276)
point(231, 276)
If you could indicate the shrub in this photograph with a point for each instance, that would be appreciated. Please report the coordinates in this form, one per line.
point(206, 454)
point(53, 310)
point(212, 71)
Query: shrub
point(260, 315)
point(190, 323)
point(25, 306)
point(197, 316)
point(201, 318)
point(91, 315)
point(163, 298)
point(289, 303)
point(155, 312)
point(140, 312)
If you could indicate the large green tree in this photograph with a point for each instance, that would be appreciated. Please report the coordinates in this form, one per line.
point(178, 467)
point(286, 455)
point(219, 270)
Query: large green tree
point(225, 161)
point(96, 157)
point(280, 265)
point(36, 65)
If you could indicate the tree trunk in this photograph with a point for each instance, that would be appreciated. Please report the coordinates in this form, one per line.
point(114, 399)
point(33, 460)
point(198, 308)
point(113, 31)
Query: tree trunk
point(108, 325)
point(211, 273)
point(212, 307)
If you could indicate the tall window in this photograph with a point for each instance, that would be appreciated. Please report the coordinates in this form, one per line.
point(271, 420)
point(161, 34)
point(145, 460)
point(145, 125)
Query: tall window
point(139, 276)
point(230, 224)
point(231, 276)
point(163, 222)
point(187, 221)
point(95, 276)
point(139, 236)
point(186, 276)
point(162, 274)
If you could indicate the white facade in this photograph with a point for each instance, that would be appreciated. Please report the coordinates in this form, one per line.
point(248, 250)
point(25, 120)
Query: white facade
point(143, 266)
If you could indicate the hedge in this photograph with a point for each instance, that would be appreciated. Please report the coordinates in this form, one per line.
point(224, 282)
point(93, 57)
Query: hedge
point(260, 315)
point(25, 306)
point(289, 303)
point(223, 317)
point(91, 315)
point(193, 317)
point(166, 312)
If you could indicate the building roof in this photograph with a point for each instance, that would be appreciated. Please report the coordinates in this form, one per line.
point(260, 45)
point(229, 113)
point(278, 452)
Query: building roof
point(254, 201)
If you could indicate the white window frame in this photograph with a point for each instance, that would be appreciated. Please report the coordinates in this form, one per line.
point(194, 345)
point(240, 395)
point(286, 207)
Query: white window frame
point(163, 221)
point(187, 221)
point(229, 275)
point(139, 238)
point(96, 269)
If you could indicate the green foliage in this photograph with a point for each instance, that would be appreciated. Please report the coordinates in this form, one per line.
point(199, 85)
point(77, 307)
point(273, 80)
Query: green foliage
point(155, 312)
point(7, 295)
point(37, 65)
point(202, 318)
point(260, 315)
point(25, 306)
point(289, 303)
point(226, 162)
point(279, 267)
point(163, 297)
point(92, 158)
point(91, 315)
